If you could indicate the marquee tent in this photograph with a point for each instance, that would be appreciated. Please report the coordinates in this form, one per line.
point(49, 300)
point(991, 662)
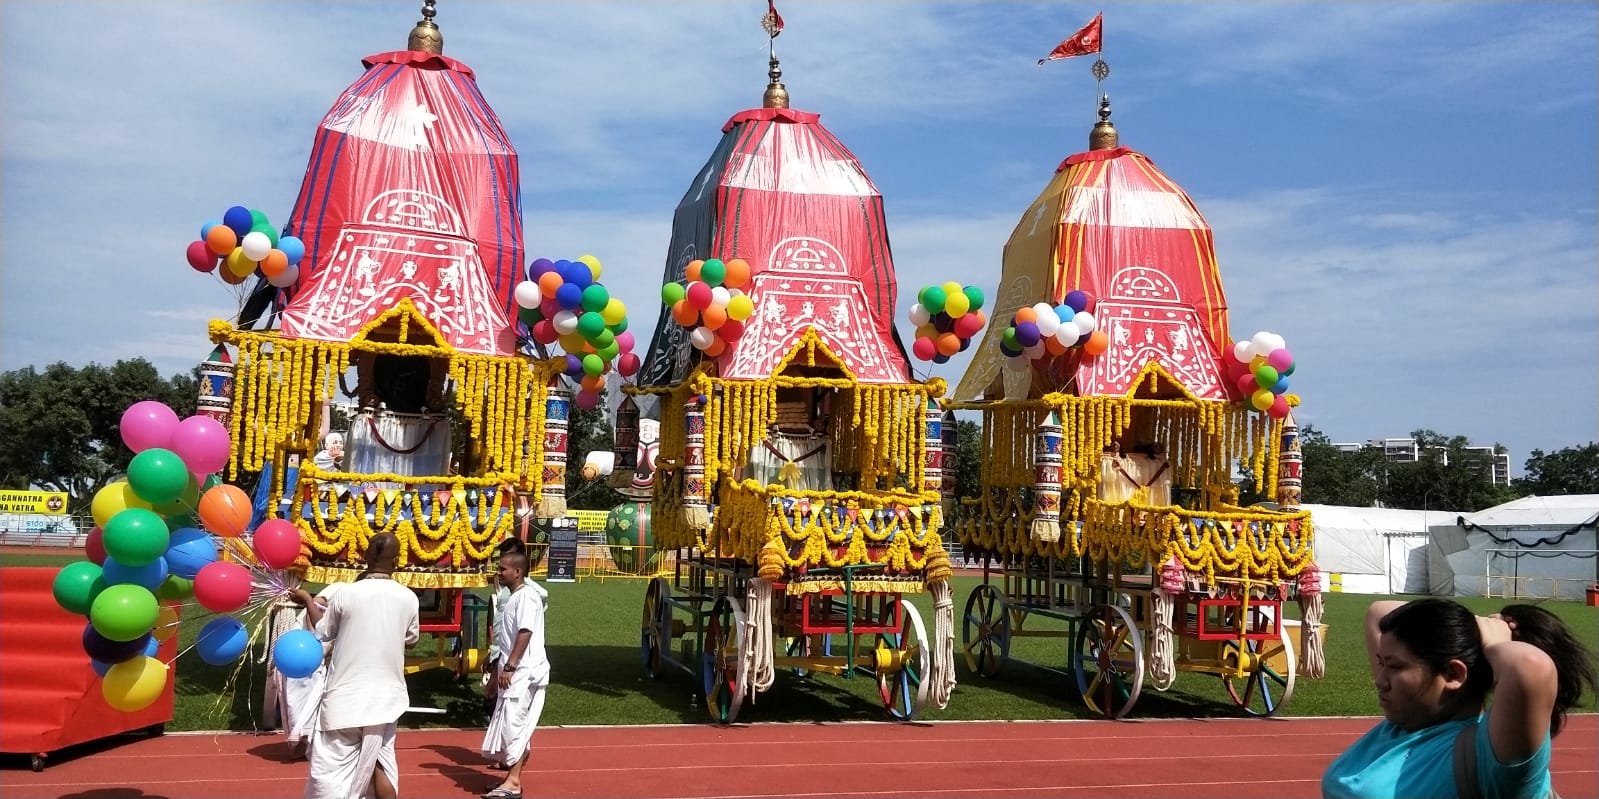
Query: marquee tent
point(1535, 547)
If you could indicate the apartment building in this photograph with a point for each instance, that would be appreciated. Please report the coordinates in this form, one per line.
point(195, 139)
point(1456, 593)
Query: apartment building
point(1408, 450)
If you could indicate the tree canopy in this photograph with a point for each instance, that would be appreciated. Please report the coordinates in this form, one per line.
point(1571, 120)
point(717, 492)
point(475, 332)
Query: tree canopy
point(1573, 470)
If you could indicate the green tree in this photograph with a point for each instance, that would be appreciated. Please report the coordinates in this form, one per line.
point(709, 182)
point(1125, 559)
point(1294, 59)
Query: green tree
point(62, 425)
point(1446, 475)
point(1332, 476)
point(1572, 470)
point(967, 463)
point(587, 432)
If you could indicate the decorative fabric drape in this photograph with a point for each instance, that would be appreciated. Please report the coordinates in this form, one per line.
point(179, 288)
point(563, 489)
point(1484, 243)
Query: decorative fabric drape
point(384, 442)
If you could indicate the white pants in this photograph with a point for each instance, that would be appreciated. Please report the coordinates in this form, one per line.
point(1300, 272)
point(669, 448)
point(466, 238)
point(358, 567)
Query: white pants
point(516, 716)
point(301, 700)
point(343, 762)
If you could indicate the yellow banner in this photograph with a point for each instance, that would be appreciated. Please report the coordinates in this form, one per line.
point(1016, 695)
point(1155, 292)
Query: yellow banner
point(587, 520)
point(46, 502)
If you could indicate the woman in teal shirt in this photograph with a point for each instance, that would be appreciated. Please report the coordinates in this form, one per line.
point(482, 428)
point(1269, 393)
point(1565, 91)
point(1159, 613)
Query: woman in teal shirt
point(1434, 664)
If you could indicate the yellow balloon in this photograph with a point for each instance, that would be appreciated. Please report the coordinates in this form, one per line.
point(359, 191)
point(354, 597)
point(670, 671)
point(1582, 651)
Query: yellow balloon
point(114, 499)
point(238, 263)
point(614, 312)
point(956, 305)
point(166, 623)
point(740, 307)
point(1257, 362)
point(951, 289)
point(593, 264)
point(134, 685)
point(1262, 399)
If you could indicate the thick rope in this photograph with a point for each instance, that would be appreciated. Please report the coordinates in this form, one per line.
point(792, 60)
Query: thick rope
point(1312, 661)
point(756, 658)
point(943, 667)
point(1162, 666)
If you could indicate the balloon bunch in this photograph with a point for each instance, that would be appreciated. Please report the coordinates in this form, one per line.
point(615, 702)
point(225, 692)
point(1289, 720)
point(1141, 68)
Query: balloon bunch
point(1260, 366)
point(243, 242)
point(1041, 332)
point(711, 303)
point(564, 302)
point(149, 553)
point(946, 317)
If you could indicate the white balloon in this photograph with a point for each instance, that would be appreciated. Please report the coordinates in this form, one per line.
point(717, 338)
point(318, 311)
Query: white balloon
point(286, 278)
point(1069, 333)
point(719, 297)
point(701, 337)
point(1241, 351)
point(1048, 323)
point(1277, 342)
point(1043, 309)
point(528, 295)
point(1261, 344)
point(256, 245)
point(565, 322)
point(919, 315)
point(1085, 322)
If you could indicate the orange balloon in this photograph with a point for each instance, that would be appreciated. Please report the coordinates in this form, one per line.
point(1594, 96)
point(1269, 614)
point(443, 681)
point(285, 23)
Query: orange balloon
point(1097, 343)
point(1053, 346)
point(549, 282)
point(714, 317)
point(738, 273)
point(1026, 314)
point(684, 314)
point(225, 510)
point(948, 343)
point(221, 239)
point(718, 346)
point(230, 277)
point(274, 263)
point(692, 272)
point(593, 382)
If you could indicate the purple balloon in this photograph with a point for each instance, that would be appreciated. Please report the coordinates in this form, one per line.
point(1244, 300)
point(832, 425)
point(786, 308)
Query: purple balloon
point(1078, 300)
point(1027, 334)
point(106, 650)
point(574, 366)
point(537, 269)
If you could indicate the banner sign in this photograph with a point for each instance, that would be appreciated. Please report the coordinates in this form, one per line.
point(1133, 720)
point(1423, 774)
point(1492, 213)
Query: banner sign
point(561, 557)
point(44, 502)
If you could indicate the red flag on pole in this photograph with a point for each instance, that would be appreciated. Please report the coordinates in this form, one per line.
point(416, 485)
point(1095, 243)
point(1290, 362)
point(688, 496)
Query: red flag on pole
point(1083, 42)
point(773, 21)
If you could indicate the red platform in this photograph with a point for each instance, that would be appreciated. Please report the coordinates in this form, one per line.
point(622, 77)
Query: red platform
point(49, 694)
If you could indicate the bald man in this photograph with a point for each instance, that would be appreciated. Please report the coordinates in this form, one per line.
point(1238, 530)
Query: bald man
point(371, 623)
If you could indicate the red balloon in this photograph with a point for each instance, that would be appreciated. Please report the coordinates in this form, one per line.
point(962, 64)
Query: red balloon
point(628, 364)
point(1279, 407)
point(94, 546)
point(544, 332)
point(276, 543)
point(924, 348)
point(699, 296)
point(200, 257)
point(222, 586)
point(967, 324)
point(731, 331)
point(1246, 384)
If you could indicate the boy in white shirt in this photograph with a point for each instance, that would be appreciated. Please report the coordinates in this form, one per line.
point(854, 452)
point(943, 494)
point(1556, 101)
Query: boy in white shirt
point(523, 676)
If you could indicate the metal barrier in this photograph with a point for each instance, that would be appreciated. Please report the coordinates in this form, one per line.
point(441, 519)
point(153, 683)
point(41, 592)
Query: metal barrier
point(602, 561)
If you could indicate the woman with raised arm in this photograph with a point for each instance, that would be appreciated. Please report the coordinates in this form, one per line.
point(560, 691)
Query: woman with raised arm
point(1435, 665)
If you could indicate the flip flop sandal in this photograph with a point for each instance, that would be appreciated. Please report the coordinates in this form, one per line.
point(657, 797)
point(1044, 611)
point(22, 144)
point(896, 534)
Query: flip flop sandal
point(501, 793)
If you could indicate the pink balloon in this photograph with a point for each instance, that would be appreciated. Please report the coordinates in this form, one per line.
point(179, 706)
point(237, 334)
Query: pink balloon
point(628, 364)
point(202, 443)
point(1246, 384)
point(200, 257)
point(1280, 359)
point(549, 307)
point(222, 586)
point(587, 400)
point(699, 295)
point(276, 543)
point(924, 348)
point(624, 341)
point(148, 425)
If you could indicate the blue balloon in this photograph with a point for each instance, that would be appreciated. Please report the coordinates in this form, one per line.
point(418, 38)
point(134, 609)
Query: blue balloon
point(153, 647)
point(1280, 387)
point(577, 273)
point(238, 217)
point(189, 552)
point(941, 358)
point(297, 654)
point(100, 667)
point(222, 641)
point(293, 248)
point(150, 575)
point(206, 228)
point(569, 296)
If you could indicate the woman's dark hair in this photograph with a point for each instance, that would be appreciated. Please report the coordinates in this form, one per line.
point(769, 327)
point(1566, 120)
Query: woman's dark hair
point(1437, 631)
point(1574, 663)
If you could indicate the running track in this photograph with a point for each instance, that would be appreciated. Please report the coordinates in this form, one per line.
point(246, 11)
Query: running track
point(1194, 758)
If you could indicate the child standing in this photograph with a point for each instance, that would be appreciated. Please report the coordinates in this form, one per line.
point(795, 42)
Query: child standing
point(523, 676)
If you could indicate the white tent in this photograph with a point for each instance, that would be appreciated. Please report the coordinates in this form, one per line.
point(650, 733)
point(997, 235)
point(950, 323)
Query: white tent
point(1373, 550)
point(1540, 547)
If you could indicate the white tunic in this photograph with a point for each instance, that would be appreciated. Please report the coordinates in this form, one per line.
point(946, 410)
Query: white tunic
point(371, 623)
point(517, 708)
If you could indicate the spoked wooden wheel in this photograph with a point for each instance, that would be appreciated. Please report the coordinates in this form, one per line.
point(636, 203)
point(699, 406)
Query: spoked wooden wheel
point(653, 641)
point(985, 631)
point(902, 662)
point(719, 666)
point(1108, 659)
point(1270, 684)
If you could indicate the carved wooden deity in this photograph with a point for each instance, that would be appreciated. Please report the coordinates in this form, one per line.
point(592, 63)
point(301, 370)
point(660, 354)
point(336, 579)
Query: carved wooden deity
point(796, 453)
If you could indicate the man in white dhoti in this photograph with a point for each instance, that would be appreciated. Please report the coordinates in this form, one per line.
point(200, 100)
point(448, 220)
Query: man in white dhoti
point(371, 622)
point(300, 699)
point(523, 676)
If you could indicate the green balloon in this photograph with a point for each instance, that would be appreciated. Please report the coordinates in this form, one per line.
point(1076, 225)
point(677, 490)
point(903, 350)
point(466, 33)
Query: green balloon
point(1009, 338)
point(933, 298)
point(175, 588)
point(610, 351)
point(258, 218)
point(593, 365)
point(124, 612)
point(178, 521)
point(135, 536)
point(619, 327)
point(267, 230)
point(74, 586)
point(529, 316)
point(186, 503)
point(974, 296)
point(713, 272)
point(590, 324)
point(1265, 376)
point(603, 339)
point(595, 298)
point(211, 481)
point(158, 476)
point(672, 292)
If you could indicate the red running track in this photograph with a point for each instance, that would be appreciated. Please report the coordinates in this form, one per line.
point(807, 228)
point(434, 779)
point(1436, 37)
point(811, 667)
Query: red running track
point(1234, 758)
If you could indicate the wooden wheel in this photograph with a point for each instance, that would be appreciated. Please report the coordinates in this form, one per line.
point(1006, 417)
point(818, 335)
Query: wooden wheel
point(902, 662)
point(985, 631)
point(720, 663)
point(1270, 684)
point(657, 619)
point(1108, 660)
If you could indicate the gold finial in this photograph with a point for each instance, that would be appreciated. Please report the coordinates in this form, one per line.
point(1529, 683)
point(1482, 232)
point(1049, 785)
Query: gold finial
point(1103, 136)
point(776, 95)
point(426, 37)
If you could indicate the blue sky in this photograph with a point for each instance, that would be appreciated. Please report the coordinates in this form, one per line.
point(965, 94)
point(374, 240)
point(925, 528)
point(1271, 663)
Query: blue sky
point(1405, 191)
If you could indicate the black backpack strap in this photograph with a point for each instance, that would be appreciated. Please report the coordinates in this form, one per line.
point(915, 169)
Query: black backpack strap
point(1466, 785)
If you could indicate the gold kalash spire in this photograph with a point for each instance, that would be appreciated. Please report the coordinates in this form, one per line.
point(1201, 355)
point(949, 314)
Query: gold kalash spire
point(426, 37)
point(776, 95)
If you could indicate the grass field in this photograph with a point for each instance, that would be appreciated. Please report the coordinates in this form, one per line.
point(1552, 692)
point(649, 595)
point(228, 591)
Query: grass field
point(593, 642)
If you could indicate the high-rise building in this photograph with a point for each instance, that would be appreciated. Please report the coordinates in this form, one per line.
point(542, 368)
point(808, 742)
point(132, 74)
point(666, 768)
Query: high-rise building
point(1496, 463)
